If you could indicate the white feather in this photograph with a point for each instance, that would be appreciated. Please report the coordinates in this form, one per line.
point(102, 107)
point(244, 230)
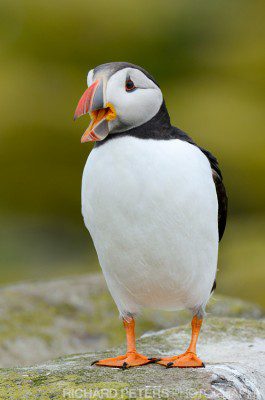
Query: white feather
point(151, 208)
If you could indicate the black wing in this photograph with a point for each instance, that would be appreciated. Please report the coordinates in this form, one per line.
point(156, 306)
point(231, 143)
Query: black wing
point(218, 180)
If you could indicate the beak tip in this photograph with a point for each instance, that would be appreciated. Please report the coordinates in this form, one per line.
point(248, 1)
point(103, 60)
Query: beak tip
point(83, 140)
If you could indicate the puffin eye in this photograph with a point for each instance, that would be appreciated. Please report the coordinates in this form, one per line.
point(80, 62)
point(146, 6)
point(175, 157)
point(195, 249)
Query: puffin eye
point(129, 86)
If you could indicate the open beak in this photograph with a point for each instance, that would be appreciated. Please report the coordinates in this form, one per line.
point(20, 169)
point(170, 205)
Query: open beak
point(92, 102)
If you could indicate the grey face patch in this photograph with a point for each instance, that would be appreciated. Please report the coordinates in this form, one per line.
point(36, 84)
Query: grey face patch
point(108, 69)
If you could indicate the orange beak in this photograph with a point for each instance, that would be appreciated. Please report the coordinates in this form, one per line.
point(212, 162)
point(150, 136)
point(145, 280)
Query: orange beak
point(85, 103)
point(92, 102)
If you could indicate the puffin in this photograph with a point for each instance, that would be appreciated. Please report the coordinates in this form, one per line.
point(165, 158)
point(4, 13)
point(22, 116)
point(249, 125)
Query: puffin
point(154, 203)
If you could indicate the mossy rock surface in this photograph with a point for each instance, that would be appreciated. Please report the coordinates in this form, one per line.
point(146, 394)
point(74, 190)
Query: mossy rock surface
point(77, 314)
point(232, 349)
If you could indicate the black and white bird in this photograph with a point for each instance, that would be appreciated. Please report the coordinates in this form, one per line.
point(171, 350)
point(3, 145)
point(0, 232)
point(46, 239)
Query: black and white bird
point(154, 203)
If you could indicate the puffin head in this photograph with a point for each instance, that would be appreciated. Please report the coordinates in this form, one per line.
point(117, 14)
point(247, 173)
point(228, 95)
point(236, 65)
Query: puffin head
point(120, 96)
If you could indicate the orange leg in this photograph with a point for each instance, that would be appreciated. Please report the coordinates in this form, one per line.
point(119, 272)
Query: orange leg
point(188, 359)
point(131, 358)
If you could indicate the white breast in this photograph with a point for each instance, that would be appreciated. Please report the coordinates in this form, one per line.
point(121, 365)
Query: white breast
point(151, 208)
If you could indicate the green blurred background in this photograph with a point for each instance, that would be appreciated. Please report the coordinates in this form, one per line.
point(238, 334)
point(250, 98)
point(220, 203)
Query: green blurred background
point(208, 57)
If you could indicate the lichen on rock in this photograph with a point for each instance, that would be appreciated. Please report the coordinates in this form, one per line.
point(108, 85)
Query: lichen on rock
point(233, 350)
point(77, 314)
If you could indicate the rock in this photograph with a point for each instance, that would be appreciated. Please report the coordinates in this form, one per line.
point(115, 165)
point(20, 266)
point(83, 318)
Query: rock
point(233, 350)
point(77, 314)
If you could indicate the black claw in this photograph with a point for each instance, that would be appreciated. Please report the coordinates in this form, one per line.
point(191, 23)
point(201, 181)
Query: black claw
point(124, 365)
point(203, 365)
point(152, 360)
point(169, 364)
point(94, 362)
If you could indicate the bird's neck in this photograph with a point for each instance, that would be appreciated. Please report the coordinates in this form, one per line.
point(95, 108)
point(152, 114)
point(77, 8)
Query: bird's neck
point(159, 128)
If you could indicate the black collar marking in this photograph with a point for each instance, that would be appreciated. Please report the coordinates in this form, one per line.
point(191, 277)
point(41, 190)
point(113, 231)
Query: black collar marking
point(160, 128)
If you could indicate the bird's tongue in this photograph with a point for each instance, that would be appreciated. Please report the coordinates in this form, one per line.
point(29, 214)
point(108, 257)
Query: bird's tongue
point(97, 116)
point(98, 128)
